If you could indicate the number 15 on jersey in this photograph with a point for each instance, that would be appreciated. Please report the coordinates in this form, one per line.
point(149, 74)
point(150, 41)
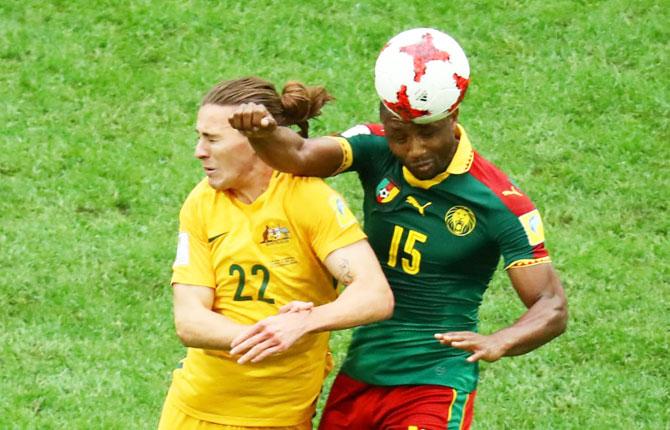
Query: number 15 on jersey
point(410, 265)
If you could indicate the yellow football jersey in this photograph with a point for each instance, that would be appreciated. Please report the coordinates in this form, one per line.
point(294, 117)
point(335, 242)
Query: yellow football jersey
point(258, 257)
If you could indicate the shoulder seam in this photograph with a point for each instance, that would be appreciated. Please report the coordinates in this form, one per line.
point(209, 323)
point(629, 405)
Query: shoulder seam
point(500, 186)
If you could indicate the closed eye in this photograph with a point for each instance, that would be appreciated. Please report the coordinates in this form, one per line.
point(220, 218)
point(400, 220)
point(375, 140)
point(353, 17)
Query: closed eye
point(397, 138)
point(427, 132)
point(211, 138)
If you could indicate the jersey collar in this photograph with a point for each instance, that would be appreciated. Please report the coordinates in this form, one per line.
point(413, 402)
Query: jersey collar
point(459, 164)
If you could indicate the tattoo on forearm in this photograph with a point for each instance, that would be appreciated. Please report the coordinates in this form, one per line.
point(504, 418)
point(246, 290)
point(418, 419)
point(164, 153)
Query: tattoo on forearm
point(344, 274)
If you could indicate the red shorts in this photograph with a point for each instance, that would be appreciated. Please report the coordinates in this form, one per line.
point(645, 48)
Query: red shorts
point(354, 405)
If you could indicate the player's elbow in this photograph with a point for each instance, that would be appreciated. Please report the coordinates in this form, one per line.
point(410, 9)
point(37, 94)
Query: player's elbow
point(385, 302)
point(560, 314)
point(390, 304)
point(375, 301)
point(184, 329)
point(562, 317)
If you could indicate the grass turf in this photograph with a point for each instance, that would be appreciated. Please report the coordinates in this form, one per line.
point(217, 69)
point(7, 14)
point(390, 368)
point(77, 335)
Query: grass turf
point(97, 106)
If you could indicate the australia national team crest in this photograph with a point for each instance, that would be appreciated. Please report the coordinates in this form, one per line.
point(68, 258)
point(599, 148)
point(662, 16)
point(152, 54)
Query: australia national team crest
point(386, 191)
point(275, 234)
point(460, 220)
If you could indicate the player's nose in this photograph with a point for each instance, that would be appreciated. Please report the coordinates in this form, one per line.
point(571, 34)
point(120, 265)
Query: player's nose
point(201, 149)
point(416, 148)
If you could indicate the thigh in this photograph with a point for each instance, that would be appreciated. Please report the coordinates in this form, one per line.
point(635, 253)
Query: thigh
point(463, 411)
point(426, 407)
point(348, 406)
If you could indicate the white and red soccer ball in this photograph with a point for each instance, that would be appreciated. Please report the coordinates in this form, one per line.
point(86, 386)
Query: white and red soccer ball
point(421, 75)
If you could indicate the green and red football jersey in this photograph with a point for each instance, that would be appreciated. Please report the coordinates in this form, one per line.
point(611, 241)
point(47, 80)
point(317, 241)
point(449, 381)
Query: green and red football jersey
point(439, 242)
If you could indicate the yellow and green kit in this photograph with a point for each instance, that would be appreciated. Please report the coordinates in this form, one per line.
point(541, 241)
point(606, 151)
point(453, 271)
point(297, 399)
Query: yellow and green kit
point(258, 257)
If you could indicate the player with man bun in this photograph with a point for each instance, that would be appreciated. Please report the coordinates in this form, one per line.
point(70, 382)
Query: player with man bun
point(251, 241)
point(439, 217)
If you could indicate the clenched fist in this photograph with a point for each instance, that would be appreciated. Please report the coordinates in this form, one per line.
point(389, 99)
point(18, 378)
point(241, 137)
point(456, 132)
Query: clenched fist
point(253, 120)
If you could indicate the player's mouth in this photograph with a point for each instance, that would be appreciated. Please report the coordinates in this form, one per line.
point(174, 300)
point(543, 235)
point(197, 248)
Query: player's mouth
point(424, 169)
point(209, 170)
point(423, 166)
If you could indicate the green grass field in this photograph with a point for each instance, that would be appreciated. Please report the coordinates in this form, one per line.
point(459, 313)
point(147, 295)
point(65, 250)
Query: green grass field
point(97, 108)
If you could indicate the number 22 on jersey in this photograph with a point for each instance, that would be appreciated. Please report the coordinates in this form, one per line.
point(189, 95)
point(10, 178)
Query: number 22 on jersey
point(412, 264)
point(239, 293)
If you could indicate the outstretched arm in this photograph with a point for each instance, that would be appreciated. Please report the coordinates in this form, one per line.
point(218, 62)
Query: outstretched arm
point(540, 290)
point(367, 298)
point(197, 325)
point(283, 148)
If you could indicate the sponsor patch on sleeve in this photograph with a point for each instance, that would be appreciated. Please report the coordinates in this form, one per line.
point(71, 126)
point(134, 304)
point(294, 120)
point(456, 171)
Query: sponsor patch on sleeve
point(182, 250)
point(532, 224)
point(342, 212)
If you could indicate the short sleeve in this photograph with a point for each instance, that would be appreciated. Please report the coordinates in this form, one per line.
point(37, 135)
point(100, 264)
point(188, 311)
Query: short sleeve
point(521, 240)
point(324, 216)
point(193, 262)
point(362, 146)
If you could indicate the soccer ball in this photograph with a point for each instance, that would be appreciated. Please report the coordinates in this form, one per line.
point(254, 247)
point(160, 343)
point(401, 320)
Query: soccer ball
point(421, 75)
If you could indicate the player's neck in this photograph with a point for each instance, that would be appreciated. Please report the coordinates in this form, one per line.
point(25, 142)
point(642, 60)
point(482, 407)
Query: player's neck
point(256, 182)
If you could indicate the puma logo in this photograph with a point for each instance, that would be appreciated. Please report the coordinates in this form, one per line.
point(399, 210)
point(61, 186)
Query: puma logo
point(512, 192)
point(412, 201)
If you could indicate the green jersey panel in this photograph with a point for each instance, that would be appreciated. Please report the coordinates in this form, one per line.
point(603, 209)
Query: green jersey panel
point(439, 247)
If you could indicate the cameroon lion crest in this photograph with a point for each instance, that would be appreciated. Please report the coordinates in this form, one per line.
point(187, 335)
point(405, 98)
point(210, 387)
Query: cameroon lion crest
point(460, 220)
